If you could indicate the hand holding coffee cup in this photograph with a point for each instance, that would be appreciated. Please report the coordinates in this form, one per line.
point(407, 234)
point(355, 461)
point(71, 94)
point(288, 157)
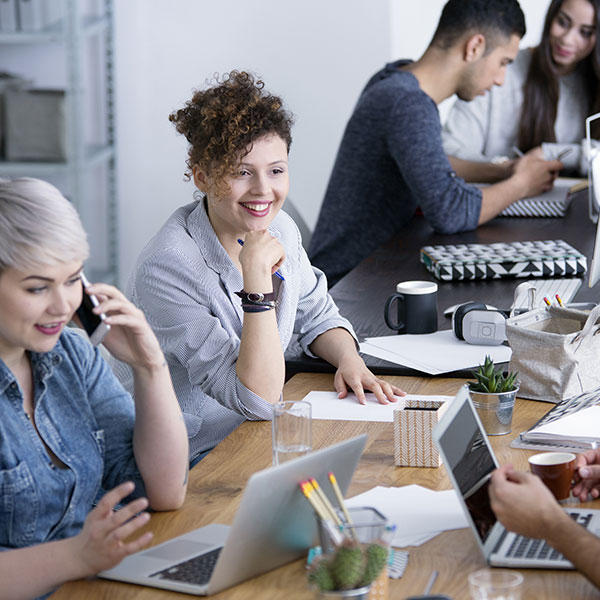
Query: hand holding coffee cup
point(416, 307)
point(587, 475)
point(556, 470)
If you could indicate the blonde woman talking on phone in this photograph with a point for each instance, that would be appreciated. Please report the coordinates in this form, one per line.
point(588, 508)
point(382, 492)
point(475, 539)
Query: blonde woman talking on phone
point(68, 429)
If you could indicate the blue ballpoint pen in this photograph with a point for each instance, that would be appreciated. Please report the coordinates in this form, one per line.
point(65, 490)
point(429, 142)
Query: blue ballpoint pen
point(241, 243)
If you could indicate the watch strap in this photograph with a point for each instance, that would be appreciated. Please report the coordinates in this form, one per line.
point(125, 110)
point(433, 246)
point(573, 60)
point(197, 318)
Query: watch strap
point(257, 298)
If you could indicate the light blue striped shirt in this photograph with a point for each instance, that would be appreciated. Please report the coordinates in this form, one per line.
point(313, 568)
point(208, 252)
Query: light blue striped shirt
point(185, 283)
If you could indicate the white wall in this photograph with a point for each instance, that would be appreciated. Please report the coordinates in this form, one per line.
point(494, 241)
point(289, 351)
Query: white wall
point(317, 54)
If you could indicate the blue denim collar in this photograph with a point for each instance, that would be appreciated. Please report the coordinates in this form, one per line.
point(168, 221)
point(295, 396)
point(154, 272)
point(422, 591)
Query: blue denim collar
point(42, 365)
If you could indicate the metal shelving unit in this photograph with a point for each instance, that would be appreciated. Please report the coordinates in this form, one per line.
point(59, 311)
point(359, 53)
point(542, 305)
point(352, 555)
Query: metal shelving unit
point(73, 31)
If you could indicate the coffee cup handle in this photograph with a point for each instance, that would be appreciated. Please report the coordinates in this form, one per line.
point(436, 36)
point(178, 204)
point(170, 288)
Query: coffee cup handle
point(400, 326)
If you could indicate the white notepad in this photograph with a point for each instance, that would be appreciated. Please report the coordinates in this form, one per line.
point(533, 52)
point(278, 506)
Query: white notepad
point(327, 406)
point(580, 426)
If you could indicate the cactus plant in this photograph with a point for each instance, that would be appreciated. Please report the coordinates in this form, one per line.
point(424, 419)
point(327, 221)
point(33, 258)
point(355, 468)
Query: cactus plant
point(321, 576)
point(348, 565)
point(491, 380)
point(377, 557)
point(352, 565)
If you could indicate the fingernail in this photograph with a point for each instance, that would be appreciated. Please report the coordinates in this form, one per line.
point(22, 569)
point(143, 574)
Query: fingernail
point(584, 472)
point(340, 395)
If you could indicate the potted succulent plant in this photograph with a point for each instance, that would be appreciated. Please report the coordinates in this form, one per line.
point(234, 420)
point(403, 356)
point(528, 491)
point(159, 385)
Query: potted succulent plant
point(349, 570)
point(493, 395)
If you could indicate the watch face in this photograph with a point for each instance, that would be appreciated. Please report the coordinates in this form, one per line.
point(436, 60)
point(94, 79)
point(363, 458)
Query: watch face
point(256, 297)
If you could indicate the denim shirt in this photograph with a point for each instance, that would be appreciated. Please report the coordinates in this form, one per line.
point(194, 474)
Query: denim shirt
point(86, 418)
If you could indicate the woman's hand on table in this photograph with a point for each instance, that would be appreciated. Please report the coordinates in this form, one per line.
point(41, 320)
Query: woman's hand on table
point(353, 374)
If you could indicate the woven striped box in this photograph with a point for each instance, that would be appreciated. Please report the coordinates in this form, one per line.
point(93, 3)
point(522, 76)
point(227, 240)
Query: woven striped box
point(413, 424)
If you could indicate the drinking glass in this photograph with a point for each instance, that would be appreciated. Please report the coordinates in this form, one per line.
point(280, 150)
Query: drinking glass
point(292, 433)
point(495, 584)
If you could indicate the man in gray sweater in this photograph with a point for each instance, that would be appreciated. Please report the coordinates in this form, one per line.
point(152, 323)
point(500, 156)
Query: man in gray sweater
point(391, 160)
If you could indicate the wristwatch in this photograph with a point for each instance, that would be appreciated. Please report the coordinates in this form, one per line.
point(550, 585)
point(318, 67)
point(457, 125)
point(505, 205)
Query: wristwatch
point(257, 299)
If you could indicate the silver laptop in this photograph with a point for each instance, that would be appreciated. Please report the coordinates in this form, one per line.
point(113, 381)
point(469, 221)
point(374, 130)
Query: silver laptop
point(274, 525)
point(469, 461)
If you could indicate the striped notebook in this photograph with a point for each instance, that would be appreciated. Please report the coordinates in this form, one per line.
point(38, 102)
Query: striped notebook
point(546, 258)
point(554, 203)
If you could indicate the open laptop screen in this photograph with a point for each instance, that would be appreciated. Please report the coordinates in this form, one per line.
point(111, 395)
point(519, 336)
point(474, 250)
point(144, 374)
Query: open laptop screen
point(468, 456)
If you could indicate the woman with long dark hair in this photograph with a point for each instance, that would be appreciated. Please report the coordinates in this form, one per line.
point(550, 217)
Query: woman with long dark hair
point(548, 93)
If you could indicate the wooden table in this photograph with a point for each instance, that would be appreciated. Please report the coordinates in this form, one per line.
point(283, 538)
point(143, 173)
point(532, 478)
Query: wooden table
point(217, 482)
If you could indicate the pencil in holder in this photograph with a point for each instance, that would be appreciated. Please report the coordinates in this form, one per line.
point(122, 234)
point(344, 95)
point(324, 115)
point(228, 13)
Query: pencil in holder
point(413, 425)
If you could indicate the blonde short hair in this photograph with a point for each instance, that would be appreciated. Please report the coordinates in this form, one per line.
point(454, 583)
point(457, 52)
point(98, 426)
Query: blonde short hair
point(38, 226)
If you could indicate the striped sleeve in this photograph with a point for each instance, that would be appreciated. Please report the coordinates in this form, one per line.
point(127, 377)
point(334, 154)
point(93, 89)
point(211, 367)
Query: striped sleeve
point(177, 299)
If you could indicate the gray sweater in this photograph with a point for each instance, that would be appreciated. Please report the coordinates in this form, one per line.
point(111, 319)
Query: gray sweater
point(390, 162)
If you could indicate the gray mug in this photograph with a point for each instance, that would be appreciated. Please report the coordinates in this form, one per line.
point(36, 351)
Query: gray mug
point(416, 307)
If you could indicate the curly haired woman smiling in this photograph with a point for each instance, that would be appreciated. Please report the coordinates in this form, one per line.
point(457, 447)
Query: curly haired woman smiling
point(225, 284)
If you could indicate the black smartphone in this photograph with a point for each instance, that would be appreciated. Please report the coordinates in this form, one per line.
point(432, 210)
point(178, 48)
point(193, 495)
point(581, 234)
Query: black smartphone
point(95, 325)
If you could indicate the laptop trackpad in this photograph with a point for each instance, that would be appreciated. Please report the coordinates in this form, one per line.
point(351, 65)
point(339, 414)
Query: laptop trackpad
point(178, 550)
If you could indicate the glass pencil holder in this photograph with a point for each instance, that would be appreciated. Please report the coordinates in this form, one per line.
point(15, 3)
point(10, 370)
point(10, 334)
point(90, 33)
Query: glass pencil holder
point(366, 527)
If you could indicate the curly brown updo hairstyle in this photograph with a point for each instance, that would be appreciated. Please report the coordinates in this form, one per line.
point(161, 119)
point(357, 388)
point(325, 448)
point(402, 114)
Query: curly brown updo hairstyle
point(222, 122)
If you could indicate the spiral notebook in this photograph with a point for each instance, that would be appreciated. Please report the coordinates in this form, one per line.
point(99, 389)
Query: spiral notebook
point(554, 203)
point(568, 426)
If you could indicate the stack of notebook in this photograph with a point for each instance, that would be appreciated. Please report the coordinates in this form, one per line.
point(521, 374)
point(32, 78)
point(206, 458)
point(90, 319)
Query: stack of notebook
point(570, 425)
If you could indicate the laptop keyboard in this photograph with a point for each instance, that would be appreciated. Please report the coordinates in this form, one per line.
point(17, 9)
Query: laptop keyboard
point(523, 547)
point(195, 570)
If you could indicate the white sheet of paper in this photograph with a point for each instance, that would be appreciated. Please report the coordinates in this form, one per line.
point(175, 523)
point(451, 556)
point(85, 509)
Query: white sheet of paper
point(582, 424)
point(370, 349)
point(418, 513)
point(439, 352)
point(326, 405)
